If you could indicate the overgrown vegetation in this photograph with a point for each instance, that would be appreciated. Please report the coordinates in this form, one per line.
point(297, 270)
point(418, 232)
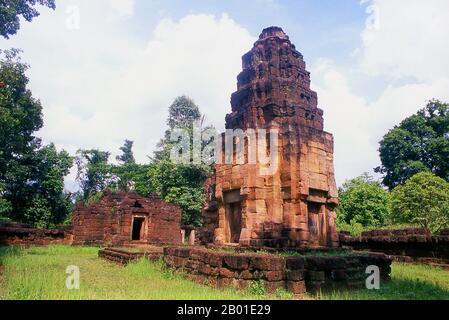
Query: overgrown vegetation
point(31, 174)
point(423, 200)
point(419, 143)
point(363, 202)
point(39, 273)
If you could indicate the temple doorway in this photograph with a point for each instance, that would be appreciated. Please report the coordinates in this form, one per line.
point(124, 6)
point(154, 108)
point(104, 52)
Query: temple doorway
point(137, 231)
point(317, 224)
point(233, 216)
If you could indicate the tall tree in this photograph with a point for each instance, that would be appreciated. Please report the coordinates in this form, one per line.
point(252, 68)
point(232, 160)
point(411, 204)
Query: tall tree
point(12, 10)
point(363, 201)
point(419, 143)
point(31, 175)
point(423, 200)
point(182, 114)
point(94, 171)
point(127, 155)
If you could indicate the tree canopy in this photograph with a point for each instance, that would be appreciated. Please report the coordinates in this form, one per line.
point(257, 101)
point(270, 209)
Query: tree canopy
point(182, 114)
point(31, 175)
point(364, 201)
point(419, 143)
point(12, 10)
point(423, 200)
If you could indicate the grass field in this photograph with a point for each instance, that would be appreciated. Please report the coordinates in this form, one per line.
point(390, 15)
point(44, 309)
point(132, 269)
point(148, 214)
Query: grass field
point(39, 273)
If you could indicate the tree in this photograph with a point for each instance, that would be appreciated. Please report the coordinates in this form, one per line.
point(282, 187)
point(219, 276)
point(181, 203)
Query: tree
point(183, 113)
point(423, 200)
point(94, 171)
point(31, 175)
point(181, 185)
point(12, 10)
point(127, 155)
point(363, 201)
point(420, 143)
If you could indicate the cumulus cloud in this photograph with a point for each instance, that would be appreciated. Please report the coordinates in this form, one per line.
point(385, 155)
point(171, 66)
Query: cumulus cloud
point(99, 85)
point(122, 8)
point(407, 38)
point(412, 46)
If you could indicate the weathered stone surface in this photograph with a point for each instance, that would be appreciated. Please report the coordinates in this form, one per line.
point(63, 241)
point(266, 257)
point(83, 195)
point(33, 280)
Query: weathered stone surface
point(293, 205)
point(298, 274)
point(110, 220)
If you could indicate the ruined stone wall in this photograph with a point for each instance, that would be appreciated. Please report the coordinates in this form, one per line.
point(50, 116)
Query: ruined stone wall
point(293, 205)
point(299, 274)
point(405, 245)
point(110, 220)
point(17, 234)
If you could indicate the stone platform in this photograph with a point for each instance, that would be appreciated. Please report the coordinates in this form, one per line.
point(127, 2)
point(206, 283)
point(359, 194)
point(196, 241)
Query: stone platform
point(126, 255)
point(299, 274)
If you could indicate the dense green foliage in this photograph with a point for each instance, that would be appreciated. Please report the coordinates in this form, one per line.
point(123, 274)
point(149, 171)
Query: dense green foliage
point(419, 143)
point(422, 200)
point(127, 156)
point(363, 201)
point(12, 10)
point(182, 114)
point(181, 185)
point(94, 174)
point(31, 175)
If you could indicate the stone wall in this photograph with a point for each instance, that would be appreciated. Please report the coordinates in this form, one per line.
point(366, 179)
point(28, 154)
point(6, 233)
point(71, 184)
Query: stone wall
point(405, 245)
point(17, 234)
point(110, 220)
point(299, 274)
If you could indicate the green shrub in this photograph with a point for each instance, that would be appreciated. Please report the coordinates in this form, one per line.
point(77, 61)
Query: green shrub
point(364, 202)
point(423, 200)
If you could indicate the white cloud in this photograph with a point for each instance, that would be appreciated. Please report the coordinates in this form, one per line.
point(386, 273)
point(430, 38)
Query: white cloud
point(409, 43)
point(99, 85)
point(123, 8)
point(410, 38)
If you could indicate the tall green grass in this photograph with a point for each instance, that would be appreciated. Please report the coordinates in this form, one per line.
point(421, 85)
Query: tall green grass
point(408, 282)
point(38, 273)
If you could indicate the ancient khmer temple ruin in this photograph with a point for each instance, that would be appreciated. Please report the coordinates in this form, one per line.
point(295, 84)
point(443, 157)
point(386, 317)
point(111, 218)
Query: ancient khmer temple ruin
point(121, 218)
point(293, 204)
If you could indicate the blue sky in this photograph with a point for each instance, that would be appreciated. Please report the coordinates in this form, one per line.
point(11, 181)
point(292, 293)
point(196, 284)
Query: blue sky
point(107, 70)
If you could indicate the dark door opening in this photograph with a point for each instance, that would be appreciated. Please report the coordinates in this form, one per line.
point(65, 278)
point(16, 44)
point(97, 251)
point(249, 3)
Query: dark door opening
point(137, 231)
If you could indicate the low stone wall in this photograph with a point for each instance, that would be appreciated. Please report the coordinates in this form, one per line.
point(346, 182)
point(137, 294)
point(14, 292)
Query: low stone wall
point(124, 256)
point(17, 234)
point(299, 274)
point(406, 245)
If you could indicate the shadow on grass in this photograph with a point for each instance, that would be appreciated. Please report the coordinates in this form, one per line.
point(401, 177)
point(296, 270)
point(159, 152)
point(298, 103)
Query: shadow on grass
point(8, 252)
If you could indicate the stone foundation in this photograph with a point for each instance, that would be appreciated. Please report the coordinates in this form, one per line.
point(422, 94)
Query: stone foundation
point(125, 255)
point(298, 274)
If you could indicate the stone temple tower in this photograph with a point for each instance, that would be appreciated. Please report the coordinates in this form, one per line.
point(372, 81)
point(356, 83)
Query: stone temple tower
point(293, 204)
